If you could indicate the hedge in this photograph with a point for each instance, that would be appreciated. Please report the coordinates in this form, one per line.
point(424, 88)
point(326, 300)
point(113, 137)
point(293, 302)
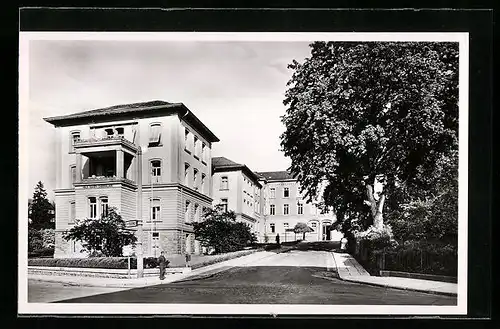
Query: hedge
point(44, 252)
point(122, 262)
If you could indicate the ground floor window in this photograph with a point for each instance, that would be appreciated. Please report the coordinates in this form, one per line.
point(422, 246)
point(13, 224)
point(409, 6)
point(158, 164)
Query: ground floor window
point(314, 226)
point(155, 243)
point(92, 208)
point(104, 206)
point(273, 227)
point(155, 210)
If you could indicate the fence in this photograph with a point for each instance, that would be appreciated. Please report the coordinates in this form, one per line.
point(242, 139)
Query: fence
point(422, 258)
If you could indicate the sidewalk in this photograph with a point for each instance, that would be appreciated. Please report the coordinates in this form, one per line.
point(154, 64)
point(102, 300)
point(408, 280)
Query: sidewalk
point(350, 270)
point(151, 281)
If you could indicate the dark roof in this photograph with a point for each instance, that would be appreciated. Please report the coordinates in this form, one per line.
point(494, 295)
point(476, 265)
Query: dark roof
point(221, 164)
point(143, 109)
point(276, 175)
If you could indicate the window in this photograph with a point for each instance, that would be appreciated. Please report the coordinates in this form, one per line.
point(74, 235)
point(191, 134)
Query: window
point(186, 139)
point(272, 192)
point(73, 174)
point(203, 176)
point(74, 137)
point(156, 170)
point(300, 209)
point(186, 212)
point(313, 225)
point(224, 185)
point(196, 212)
point(155, 242)
point(186, 174)
point(154, 134)
point(286, 209)
point(109, 132)
point(285, 226)
point(92, 208)
point(272, 210)
point(223, 203)
point(73, 245)
point(120, 131)
point(72, 212)
point(286, 192)
point(195, 178)
point(196, 146)
point(155, 210)
point(273, 227)
point(203, 152)
point(104, 206)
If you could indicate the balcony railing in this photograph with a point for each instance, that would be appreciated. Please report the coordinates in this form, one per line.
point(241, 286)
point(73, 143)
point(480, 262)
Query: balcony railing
point(101, 141)
point(104, 180)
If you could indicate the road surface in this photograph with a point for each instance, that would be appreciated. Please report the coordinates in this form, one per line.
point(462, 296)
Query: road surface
point(295, 277)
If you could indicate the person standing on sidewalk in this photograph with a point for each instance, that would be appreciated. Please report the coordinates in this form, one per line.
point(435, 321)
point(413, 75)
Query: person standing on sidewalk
point(162, 262)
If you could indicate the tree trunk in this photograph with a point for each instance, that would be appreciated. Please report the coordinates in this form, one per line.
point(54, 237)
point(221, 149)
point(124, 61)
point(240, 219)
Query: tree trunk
point(378, 220)
point(375, 207)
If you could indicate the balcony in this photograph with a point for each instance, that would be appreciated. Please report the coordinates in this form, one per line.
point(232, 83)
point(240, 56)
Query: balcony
point(88, 145)
point(104, 181)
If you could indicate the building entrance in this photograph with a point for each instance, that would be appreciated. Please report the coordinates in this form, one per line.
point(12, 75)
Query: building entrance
point(326, 231)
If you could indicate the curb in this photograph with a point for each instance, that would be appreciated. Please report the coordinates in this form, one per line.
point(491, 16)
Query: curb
point(97, 284)
point(433, 292)
point(211, 273)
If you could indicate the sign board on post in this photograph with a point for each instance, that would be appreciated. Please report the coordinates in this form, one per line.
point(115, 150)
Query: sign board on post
point(131, 223)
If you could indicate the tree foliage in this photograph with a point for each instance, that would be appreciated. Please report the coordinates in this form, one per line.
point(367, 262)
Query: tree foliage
point(40, 210)
point(106, 235)
point(220, 230)
point(302, 228)
point(373, 119)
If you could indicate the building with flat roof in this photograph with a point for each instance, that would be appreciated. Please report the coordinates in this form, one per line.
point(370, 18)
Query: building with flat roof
point(104, 155)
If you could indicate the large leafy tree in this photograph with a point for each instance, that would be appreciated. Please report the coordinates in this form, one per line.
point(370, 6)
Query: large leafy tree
point(107, 235)
point(370, 118)
point(220, 230)
point(41, 210)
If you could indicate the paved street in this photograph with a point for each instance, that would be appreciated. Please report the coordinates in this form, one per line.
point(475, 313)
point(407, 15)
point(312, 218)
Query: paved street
point(295, 277)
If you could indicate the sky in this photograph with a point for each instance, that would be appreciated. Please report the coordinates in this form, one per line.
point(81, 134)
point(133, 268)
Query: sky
point(235, 87)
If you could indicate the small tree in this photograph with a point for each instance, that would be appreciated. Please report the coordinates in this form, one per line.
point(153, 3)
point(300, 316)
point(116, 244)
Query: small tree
point(302, 228)
point(220, 230)
point(106, 235)
point(40, 210)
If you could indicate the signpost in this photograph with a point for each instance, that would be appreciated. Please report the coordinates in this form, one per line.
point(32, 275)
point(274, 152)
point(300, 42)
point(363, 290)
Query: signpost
point(131, 223)
point(127, 251)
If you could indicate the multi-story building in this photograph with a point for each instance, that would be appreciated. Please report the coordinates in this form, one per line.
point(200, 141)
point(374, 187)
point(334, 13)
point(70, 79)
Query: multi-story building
point(286, 207)
point(104, 156)
point(237, 188)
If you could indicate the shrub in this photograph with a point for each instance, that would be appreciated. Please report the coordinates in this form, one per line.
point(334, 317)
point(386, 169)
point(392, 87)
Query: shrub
point(35, 241)
point(97, 262)
point(271, 246)
point(48, 237)
point(43, 252)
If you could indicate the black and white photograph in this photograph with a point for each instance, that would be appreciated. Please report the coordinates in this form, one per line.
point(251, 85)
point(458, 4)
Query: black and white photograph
point(245, 173)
